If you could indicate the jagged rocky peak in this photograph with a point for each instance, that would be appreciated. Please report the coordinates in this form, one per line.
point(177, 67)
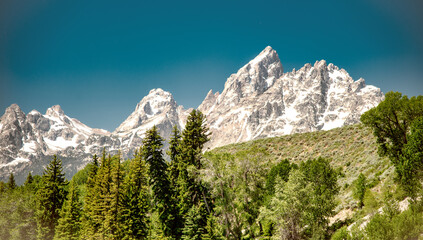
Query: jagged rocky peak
point(255, 77)
point(156, 103)
point(13, 112)
point(55, 110)
point(208, 101)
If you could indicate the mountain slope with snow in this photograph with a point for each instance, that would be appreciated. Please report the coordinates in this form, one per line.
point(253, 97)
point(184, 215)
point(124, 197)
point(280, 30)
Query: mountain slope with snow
point(258, 101)
point(29, 141)
point(261, 101)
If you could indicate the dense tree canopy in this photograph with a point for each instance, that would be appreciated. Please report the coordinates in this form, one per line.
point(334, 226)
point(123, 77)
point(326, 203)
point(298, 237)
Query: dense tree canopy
point(391, 122)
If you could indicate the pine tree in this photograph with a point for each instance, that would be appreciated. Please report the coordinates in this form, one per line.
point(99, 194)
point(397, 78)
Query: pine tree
point(50, 198)
point(11, 184)
point(113, 224)
point(69, 223)
point(2, 187)
point(159, 182)
point(29, 179)
point(103, 198)
point(173, 153)
point(89, 226)
point(193, 196)
point(135, 200)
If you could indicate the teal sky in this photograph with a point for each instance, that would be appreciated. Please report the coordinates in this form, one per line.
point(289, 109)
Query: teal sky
point(98, 59)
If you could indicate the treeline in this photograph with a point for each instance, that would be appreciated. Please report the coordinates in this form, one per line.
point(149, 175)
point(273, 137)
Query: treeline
point(239, 195)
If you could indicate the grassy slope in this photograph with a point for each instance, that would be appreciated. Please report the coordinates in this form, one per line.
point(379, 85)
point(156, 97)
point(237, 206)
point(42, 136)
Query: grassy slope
point(351, 148)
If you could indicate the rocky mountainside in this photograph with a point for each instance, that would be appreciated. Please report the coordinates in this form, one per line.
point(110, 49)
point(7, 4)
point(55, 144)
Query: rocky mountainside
point(259, 101)
point(27, 142)
point(158, 109)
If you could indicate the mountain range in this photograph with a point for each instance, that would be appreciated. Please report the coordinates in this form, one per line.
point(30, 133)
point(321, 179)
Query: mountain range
point(259, 101)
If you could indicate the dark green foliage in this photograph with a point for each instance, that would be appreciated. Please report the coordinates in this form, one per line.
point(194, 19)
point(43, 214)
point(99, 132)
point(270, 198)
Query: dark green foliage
point(69, 223)
point(2, 187)
point(29, 179)
point(173, 152)
point(323, 181)
point(360, 189)
point(391, 121)
point(11, 184)
point(194, 225)
point(162, 193)
point(282, 170)
point(410, 166)
point(50, 198)
point(191, 191)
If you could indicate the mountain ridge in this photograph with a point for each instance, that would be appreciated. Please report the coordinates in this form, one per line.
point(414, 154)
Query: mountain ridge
point(257, 101)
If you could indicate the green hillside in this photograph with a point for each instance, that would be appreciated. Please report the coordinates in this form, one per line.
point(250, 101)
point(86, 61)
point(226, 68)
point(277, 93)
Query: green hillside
point(352, 149)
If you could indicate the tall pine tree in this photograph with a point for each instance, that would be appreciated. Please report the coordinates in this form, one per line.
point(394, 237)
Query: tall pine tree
point(50, 198)
point(11, 184)
point(193, 196)
point(160, 184)
point(69, 223)
point(29, 179)
point(113, 217)
point(173, 152)
point(89, 226)
point(136, 200)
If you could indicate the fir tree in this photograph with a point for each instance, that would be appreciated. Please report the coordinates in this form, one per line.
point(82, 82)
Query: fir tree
point(50, 199)
point(11, 184)
point(2, 187)
point(89, 226)
point(173, 153)
point(135, 200)
point(69, 223)
point(29, 179)
point(159, 182)
point(103, 198)
point(113, 224)
point(191, 192)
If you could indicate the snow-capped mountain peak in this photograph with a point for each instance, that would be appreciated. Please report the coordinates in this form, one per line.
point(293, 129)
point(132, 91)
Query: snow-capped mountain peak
point(262, 101)
point(151, 107)
point(55, 110)
point(158, 109)
point(257, 101)
point(254, 78)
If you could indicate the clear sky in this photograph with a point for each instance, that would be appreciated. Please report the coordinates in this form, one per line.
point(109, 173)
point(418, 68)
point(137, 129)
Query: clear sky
point(98, 59)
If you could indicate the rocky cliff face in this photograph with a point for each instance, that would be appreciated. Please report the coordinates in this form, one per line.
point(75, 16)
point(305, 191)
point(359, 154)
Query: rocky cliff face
point(29, 141)
point(158, 109)
point(259, 101)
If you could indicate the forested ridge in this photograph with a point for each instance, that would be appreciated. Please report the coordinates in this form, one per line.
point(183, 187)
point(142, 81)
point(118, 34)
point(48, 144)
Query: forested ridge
point(346, 183)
